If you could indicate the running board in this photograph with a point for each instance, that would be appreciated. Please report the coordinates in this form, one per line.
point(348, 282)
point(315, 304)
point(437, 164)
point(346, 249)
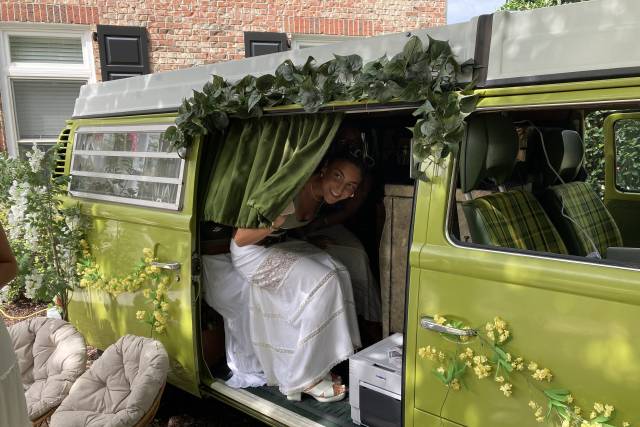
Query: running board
point(258, 407)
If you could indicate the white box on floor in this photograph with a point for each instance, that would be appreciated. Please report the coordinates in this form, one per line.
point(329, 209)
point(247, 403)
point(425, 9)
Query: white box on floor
point(375, 383)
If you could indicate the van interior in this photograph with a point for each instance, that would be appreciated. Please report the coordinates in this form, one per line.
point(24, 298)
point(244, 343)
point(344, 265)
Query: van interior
point(522, 183)
point(388, 143)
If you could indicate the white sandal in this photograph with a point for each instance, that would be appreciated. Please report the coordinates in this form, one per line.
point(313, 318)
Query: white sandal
point(323, 392)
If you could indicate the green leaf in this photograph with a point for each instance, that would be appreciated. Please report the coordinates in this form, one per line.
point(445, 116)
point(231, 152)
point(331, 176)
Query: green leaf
point(265, 82)
point(309, 96)
point(413, 50)
point(286, 70)
point(394, 69)
point(385, 91)
point(438, 48)
point(254, 99)
point(468, 103)
point(424, 109)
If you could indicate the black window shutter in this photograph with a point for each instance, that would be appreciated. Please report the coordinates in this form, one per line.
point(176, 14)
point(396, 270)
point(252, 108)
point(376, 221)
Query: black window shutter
point(256, 43)
point(124, 51)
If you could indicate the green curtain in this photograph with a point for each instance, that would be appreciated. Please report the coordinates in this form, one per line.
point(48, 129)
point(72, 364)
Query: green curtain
point(263, 163)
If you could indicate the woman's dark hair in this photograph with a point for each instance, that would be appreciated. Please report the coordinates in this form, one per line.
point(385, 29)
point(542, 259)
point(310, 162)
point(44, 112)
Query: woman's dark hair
point(350, 155)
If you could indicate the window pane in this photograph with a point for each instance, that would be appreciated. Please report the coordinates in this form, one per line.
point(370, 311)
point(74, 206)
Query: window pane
point(46, 49)
point(628, 155)
point(146, 191)
point(42, 106)
point(137, 166)
point(139, 142)
point(131, 165)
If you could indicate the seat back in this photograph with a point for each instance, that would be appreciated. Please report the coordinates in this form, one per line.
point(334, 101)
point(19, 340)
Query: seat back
point(120, 388)
point(512, 219)
point(578, 213)
point(51, 354)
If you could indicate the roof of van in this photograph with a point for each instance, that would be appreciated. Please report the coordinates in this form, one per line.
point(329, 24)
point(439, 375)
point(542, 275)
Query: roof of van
point(577, 41)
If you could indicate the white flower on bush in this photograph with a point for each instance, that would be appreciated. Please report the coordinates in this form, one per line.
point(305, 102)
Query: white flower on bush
point(35, 158)
point(18, 197)
point(4, 294)
point(72, 222)
point(32, 282)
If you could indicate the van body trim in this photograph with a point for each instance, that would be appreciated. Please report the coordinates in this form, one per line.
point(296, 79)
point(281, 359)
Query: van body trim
point(145, 154)
point(126, 177)
point(262, 406)
point(125, 200)
point(574, 76)
point(160, 127)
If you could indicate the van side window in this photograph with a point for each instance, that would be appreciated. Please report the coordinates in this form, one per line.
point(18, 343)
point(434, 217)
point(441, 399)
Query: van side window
point(127, 164)
point(627, 145)
point(521, 185)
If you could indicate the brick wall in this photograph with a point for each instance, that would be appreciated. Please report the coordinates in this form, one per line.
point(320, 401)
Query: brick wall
point(183, 33)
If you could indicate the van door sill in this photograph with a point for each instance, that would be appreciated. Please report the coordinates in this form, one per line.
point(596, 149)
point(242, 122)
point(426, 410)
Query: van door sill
point(262, 406)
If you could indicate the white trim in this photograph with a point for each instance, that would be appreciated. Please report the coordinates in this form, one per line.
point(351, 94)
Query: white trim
point(145, 154)
point(125, 177)
point(120, 128)
point(128, 201)
point(41, 71)
point(263, 406)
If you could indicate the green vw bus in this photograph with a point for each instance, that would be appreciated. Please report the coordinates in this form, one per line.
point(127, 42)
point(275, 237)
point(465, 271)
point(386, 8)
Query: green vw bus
point(522, 246)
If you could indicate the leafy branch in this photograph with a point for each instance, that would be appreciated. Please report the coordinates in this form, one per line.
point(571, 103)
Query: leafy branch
point(418, 73)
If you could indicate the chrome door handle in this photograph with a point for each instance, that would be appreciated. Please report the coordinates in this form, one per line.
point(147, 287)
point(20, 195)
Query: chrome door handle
point(173, 266)
point(430, 324)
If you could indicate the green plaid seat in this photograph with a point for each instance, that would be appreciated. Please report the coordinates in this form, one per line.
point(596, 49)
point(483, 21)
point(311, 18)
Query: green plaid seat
point(514, 219)
point(588, 220)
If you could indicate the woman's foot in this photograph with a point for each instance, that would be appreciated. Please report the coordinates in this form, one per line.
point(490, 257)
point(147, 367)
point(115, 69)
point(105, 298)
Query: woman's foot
point(324, 391)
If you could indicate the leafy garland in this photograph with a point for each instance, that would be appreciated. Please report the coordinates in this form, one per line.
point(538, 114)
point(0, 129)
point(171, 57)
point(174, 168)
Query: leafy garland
point(418, 73)
point(560, 403)
point(144, 273)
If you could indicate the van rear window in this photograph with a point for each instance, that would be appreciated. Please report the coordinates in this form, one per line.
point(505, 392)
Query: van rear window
point(131, 164)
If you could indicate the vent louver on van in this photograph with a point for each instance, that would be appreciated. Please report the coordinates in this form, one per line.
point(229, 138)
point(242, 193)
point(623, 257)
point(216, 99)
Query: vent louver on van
point(60, 155)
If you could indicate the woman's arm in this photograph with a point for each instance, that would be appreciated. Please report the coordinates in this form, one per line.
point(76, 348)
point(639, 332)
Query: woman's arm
point(8, 265)
point(251, 236)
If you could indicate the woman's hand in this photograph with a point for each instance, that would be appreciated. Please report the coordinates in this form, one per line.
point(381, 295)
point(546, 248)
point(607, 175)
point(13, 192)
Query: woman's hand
point(277, 223)
point(251, 236)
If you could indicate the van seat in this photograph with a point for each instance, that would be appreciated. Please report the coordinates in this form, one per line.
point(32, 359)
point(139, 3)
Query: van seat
point(575, 209)
point(512, 219)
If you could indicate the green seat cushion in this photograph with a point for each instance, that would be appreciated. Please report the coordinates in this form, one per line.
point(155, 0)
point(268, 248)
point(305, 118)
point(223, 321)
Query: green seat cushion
point(585, 219)
point(514, 219)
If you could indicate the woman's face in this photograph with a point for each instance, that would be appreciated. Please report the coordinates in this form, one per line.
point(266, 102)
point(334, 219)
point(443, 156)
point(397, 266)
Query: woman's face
point(340, 180)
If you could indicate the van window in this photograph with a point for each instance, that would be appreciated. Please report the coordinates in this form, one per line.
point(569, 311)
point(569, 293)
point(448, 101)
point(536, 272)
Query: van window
point(133, 165)
point(627, 143)
point(521, 186)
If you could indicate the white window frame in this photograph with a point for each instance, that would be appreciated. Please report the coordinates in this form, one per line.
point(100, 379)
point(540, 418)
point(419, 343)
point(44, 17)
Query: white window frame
point(176, 206)
point(300, 41)
point(38, 71)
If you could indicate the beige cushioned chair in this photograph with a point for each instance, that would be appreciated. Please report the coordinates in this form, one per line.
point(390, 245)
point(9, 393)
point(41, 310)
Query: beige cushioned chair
point(51, 355)
point(122, 388)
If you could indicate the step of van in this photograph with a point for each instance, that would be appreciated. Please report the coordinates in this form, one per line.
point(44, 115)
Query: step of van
point(264, 404)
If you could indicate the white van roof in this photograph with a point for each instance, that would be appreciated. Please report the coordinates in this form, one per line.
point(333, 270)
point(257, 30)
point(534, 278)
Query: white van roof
point(578, 41)
point(165, 91)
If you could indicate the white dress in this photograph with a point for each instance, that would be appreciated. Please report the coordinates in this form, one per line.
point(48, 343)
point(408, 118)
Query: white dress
point(346, 248)
point(13, 406)
point(302, 316)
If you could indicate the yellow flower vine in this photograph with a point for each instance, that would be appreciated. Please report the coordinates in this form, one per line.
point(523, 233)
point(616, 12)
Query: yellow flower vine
point(156, 280)
point(560, 403)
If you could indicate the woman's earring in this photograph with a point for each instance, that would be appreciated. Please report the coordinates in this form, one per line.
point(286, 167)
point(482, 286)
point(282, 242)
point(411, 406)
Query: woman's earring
point(352, 196)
